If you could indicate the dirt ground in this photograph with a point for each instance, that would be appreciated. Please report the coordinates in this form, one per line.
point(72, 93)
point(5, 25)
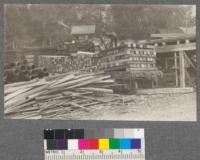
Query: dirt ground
point(163, 107)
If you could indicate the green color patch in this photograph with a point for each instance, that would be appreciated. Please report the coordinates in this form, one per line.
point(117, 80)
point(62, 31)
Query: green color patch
point(114, 144)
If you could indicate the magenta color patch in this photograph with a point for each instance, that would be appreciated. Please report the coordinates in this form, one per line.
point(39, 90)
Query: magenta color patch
point(84, 144)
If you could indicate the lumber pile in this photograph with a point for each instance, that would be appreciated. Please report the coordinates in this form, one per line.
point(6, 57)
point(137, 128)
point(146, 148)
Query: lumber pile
point(57, 95)
point(23, 71)
point(128, 58)
point(68, 63)
point(129, 64)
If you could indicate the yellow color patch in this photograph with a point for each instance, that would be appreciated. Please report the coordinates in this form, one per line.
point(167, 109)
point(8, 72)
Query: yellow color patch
point(103, 143)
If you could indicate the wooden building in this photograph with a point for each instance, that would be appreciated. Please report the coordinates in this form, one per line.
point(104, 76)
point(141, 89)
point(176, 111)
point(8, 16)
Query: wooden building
point(176, 57)
point(83, 32)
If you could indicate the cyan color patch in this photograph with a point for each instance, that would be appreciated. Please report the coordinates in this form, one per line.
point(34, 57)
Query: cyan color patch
point(125, 143)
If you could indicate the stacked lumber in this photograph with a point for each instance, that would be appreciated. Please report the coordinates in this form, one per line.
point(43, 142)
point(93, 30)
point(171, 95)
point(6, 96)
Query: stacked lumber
point(57, 95)
point(128, 65)
point(127, 58)
point(23, 71)
point(68, 63)
point(129, 62)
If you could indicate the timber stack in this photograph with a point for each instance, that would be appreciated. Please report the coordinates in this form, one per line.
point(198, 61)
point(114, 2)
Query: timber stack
point(22, 71)
point(67, 63)
point(58, 95)
point(130, 64)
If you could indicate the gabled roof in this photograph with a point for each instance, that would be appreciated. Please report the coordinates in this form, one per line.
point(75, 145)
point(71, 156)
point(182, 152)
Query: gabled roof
point(83, 29)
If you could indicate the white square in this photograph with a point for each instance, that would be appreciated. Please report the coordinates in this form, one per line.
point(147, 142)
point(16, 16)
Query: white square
point(129, 133)
point(118, 133)
point(45, 144)
point(72, 144)
point(139, 133)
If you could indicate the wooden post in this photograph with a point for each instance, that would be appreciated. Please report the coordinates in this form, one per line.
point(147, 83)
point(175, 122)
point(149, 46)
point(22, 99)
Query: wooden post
point(176, 69)
point(182, 69)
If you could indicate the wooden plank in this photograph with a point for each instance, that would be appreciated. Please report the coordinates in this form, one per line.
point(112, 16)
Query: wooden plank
point(173, 39)
point(24, 97)
point(72, 82)
point(189, 61)
point(173, 35)
point(15, 109)
point(46, 97)
point(182, 69)
point(20, 84)
point(176, 69)
point(165, 91)
point(35, 99)
point(93, 80)
point(13, 95)
point(64, 79)
point(33, 85)
point(96, 89)
point(176, 48)
point(79, 106)
point(188, 77)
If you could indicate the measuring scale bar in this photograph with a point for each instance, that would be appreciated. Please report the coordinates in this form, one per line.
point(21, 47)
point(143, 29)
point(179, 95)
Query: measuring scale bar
point(94, 155)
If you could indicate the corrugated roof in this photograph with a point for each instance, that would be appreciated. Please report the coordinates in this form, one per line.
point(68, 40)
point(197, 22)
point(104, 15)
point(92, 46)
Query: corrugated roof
point(83, 29)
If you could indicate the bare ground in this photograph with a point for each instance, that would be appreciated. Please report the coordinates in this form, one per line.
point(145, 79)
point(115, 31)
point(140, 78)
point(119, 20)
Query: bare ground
point(163, 107)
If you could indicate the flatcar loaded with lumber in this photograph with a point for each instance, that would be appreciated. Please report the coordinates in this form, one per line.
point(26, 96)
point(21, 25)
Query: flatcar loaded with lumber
point(131, 66)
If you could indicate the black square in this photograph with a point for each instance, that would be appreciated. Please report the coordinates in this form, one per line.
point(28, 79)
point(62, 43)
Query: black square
point(51, 144)
point(68, 134)
point(49, 134)
point(78, 133)
point(59, 134)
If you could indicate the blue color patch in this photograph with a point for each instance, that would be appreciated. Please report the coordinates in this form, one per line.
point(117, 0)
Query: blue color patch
point(125, 143)
point(136, 144)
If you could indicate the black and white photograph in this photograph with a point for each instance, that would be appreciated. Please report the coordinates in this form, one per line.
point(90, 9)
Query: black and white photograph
point(124, 62)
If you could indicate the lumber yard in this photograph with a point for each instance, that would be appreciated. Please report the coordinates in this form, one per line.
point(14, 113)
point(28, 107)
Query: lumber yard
point(92, 73)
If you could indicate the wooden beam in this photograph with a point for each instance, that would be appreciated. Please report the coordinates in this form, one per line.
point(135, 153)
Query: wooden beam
point(187, 76)
point(175, 48)
point(165, 90)
point(176, 69)
point(171, 39)
point(189, 61)
point(182, 69)
point(173, 35)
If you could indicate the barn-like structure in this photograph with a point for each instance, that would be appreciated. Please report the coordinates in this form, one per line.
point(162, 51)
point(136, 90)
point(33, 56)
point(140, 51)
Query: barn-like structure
point(176, 57)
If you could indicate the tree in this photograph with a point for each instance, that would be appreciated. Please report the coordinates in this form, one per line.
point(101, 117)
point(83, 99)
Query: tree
point(139, 21)
point(39, 24)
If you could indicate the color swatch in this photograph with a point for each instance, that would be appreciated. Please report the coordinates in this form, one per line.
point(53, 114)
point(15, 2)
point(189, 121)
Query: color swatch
point(94, 144)
point(93, 139)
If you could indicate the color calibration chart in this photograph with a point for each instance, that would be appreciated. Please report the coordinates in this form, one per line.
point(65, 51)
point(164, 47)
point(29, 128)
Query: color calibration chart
point(94, 144)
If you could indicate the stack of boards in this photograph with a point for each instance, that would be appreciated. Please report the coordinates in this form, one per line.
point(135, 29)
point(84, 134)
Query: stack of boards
point(63, 64)
point(23, 71)
point(139, 61)
point(57, 95)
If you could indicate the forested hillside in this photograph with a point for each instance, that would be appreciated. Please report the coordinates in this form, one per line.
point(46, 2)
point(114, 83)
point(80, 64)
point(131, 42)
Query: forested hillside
point(49, 25)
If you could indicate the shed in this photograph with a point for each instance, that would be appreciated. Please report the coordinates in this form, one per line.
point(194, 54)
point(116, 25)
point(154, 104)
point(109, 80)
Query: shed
point(83, 29)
